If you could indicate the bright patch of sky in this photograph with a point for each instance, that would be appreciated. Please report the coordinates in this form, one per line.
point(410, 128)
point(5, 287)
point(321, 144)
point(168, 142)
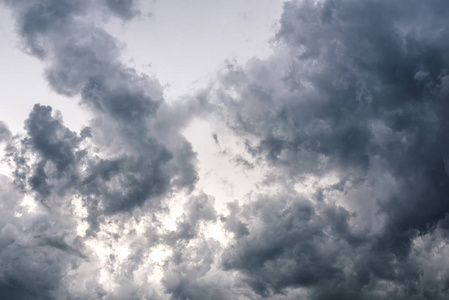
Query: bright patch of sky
point(182, 43)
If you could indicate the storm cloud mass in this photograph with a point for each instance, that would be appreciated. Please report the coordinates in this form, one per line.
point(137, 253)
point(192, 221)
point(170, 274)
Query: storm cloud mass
point(343, 132)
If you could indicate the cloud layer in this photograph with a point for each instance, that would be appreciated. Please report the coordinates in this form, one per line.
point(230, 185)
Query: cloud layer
point(345, 124)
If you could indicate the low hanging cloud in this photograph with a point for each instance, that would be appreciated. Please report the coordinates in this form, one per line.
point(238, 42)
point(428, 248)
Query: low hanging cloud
point(346, 122)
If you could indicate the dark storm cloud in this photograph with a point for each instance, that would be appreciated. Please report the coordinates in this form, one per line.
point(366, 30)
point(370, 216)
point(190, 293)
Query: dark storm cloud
point(291, 245)
point(358, 88)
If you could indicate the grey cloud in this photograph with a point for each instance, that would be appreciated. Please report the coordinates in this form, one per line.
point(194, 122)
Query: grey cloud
point(233, 221)
point(289, 244)
point(83, 59)
point(56, 149)
point(5, 133)
point(383, 65)
point(189, 272)
point(113, 167)
point(51, 139)
point(39, 248)
point(30, 269)
point(122, 101)
point(198, 208)
point(287, 248)
point(41, 18)
point(125, 9)
point(60, 244)
point(117, 184)
point(136, 182)
point(357, 88)
point(190, 275)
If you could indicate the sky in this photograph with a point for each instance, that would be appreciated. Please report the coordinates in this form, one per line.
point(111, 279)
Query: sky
point(224, 149)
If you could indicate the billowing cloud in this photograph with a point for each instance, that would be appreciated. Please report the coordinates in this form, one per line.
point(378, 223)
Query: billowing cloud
point(357, 90)
point(83, 59)
point(343, 126)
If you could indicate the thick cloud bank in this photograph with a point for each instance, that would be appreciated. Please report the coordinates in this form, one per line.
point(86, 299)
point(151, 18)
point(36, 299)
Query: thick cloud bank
point(345, 124)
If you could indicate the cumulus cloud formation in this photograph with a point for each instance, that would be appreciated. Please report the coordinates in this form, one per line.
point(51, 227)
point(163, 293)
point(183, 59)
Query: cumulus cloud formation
point(343, 127)
point(357, 92)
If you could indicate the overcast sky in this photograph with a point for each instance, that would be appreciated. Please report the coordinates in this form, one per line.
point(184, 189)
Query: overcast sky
point(224, 149)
